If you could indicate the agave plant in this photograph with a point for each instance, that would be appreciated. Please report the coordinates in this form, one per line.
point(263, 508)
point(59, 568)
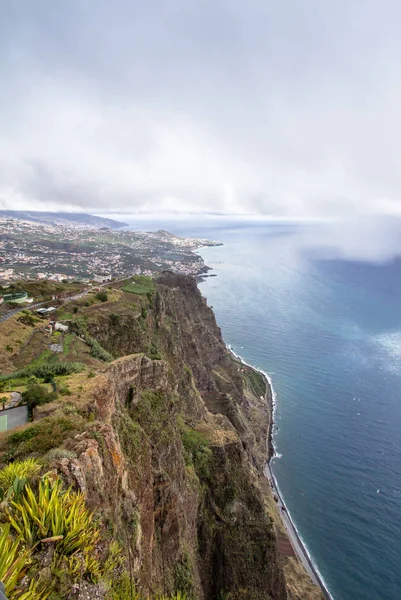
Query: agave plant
point(54, 515)
point(25, 469)
point(13, 560)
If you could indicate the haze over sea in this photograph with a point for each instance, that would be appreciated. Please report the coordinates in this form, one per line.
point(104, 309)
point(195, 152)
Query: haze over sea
point(329, 334)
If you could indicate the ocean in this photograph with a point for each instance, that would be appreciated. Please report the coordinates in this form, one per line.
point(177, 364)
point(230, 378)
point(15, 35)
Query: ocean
point(328, 333)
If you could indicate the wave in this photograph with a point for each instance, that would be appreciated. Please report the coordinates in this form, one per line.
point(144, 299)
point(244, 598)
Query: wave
point(273, 394)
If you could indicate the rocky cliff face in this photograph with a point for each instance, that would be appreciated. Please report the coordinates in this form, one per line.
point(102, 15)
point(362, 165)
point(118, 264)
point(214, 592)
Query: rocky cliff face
point(170, 452)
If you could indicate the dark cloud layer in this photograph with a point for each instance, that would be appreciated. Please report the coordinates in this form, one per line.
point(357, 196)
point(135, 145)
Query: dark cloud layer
point(284, 108)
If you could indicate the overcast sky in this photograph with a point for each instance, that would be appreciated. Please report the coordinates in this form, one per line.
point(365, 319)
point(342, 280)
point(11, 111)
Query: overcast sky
point(289, 108)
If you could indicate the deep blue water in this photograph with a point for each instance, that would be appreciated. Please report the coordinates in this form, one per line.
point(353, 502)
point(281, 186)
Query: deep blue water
point(329, 334)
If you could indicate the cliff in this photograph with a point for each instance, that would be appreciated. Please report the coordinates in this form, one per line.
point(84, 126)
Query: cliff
point(167, 442)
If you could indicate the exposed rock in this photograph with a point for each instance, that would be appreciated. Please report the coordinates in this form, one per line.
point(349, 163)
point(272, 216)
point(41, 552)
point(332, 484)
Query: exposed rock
point(172, 458)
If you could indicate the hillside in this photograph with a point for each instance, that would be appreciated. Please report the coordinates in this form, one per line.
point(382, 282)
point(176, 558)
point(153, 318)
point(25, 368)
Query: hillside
point(163, 432)
point(62, 218)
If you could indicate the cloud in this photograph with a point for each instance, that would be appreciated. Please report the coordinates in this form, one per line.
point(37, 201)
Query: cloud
point(287, 109)
point(373, 239)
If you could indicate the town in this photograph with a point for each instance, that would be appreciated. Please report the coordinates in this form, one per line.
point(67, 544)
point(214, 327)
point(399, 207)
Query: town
point(65, 253)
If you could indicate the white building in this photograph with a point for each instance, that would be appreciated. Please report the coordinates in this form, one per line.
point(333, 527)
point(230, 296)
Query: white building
point(102, 277)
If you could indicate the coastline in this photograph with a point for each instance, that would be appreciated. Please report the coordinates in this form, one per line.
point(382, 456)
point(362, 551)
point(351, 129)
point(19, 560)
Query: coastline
point(297, 543)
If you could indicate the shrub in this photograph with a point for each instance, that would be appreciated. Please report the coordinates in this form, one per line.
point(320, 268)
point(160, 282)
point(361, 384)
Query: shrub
point(45, 370)
point(58, 453)
point(36, 395)
point(64, 390)
point(97, 351)
point(27, 318)
point(42, 436)
point(149, 296)
point(196, 451)
point(102, 296)
point(115, 319)
point(154, 353)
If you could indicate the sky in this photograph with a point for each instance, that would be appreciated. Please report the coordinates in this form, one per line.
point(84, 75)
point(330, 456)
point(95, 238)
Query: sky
point(287, 109)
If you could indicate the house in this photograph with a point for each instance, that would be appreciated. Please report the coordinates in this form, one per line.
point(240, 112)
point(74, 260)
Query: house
point(45, 311)
point(102, 277)
point(55, 326)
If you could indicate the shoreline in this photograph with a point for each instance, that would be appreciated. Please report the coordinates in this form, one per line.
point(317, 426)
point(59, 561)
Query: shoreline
point(297, 543)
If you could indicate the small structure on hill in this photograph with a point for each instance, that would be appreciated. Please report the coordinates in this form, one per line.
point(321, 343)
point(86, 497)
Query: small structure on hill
point(46, 311)
point(56, 326)
point(13, 417)
point(102, 277)
point(17, 298)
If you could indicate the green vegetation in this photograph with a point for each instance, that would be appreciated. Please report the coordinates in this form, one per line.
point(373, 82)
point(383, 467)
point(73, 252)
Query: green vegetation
point(57, 454)
point(115, 319)
point(256, 381)
point(152, 413)
point(102, 296)
point(39, 515)
point(97, 350)
point(183, 579)
point(54, 512)
point(43, 371)
point(140, 285)
point(154, 353)
point(131, 435)
point(26, 469)
point(28, 318)
point(68, 339)
point(41, 436)
point(36, 395)
point(44, 289)
point(14, 561)
point(64, 315)
point(196, 451)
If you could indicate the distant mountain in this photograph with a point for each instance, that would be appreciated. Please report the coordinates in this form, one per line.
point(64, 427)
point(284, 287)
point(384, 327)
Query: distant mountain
point(62, 218)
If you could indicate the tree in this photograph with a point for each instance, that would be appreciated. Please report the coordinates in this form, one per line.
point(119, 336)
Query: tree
point(36, 395)
point(3, 401)
point(102, 296)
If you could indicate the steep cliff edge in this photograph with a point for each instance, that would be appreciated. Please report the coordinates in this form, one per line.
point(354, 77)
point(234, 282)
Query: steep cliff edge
point(168, 444)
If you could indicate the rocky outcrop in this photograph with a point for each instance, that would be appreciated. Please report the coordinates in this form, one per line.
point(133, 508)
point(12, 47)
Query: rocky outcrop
point(172, 451)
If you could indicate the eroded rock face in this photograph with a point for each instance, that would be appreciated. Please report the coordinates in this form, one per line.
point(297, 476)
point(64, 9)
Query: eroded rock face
point(188, 516)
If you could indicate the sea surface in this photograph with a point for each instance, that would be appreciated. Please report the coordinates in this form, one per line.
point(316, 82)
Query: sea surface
point(328, 332)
